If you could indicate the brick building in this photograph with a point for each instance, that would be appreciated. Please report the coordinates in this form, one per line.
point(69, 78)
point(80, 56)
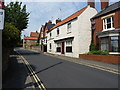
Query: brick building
point(106, 27)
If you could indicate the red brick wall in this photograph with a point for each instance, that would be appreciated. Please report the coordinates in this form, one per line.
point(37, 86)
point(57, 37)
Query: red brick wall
point(102, 58)
point(99, 25)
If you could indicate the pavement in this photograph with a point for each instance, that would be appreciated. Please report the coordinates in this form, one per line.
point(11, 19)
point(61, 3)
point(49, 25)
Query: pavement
point(17, 75)
point(56, 71)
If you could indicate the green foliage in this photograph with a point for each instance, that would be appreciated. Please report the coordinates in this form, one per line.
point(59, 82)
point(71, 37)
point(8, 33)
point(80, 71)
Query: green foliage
point(93, 47)
point(16, 14)
point(10, 36)
point(99, 52)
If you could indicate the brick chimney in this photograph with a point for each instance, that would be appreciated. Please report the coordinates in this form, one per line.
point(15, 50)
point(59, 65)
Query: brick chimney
point(104, 4)
point(91, 3)
point(50, 21)
point(58, 20)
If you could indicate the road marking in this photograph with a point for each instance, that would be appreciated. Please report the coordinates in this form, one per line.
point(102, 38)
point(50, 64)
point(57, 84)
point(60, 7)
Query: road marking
point(36, 78)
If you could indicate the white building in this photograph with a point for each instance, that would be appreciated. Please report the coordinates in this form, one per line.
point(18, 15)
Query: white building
point(72, 36)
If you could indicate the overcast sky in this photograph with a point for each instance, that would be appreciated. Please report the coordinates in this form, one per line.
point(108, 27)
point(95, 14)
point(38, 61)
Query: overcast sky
point(41, 12)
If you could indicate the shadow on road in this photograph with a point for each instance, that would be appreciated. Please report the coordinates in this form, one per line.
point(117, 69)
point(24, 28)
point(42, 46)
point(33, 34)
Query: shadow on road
point(49, 67)
point(16, 75)
point(30, 53)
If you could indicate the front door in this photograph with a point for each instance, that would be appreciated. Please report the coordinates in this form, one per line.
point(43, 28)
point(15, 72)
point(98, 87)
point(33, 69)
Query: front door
point(63, 48)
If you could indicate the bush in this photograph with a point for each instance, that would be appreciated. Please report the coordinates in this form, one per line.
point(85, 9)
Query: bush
point(10, 36)
point(99, 52)
point(94, 47)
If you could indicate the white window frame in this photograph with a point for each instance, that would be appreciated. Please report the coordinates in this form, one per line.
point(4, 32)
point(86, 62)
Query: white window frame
point(57, 31)
point(69, 25)
point(105, 23)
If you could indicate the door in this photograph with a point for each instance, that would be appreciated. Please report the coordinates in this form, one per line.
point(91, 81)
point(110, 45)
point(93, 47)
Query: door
point(63, 48)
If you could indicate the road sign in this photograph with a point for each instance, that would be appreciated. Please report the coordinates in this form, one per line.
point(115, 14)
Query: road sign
point(1, 19)
point(1, 4)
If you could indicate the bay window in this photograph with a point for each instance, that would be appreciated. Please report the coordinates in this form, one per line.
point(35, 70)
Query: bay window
point(114, 44)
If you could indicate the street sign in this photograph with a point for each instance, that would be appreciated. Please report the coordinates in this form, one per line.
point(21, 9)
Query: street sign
point(1, 5)
point(1, 19)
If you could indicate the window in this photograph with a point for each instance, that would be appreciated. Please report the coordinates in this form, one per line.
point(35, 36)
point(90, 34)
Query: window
point(108, 23)
point(105, 44)
point(58, 48)
point(50, 46)
point(58, 31)
point(69, 27)
point(50, 34)
point(68, 46)
point(114, 44)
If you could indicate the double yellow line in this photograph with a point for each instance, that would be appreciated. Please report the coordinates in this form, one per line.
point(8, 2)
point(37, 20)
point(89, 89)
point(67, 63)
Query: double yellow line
point(34, 75)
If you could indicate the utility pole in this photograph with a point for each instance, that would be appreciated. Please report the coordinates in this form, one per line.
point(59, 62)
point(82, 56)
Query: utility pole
point(1, 28)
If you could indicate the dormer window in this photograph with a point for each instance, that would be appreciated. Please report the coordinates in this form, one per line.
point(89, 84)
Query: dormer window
point(69, 27)
point(108, 23)
point(58, 32)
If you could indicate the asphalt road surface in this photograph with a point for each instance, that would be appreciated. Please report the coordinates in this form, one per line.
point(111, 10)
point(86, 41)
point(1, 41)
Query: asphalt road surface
point(58, 73)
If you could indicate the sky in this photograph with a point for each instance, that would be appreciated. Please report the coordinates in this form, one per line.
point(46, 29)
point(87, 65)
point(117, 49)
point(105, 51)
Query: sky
point(41, 12)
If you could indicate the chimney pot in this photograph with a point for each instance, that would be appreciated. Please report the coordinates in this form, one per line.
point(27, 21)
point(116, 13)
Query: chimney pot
point(104, 4)
point(50, 21)
point(58, 20)
point(91, 3)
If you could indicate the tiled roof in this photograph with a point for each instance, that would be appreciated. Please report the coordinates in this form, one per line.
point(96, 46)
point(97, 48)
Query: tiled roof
point(30, 38)
point(34, 34)
point(69, 18)
point(108, 9)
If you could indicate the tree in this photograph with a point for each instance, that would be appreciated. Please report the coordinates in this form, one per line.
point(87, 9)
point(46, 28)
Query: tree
point(16, 14)
point(10, 36)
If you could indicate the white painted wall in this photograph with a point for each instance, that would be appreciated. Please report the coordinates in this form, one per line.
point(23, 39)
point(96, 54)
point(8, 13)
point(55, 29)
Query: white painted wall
point(80, 30)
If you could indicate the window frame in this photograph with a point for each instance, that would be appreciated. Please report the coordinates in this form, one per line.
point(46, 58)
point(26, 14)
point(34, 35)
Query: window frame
point(58, 31)
point(106, 23)
point(69, 26)
point(69, 46)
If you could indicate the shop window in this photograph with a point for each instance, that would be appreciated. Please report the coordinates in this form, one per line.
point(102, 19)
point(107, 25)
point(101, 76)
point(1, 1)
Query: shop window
point(58, 48)
point(68, 46)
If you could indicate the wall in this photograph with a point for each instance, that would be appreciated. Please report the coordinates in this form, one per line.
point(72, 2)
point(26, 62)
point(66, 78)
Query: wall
point(102, 58)
point(85, 29)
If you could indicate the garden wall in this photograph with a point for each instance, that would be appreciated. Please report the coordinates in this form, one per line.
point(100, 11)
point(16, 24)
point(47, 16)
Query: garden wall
point(113, 59)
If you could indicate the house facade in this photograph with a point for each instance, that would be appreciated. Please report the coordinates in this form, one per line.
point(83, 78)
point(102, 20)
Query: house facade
point(43, 35)
point(106, 28)
point(30, 41)
point(72, 36)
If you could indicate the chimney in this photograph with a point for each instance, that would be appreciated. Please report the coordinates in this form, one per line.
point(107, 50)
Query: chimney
point(91, 3)
point(104, 4)
point(58, 20)
point(50, 21)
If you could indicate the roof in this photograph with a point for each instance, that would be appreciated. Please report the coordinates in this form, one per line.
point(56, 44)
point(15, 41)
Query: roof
point(108, 9)
point(34, 34)
point(49, 25)
point(30, 38)
point(73, 16)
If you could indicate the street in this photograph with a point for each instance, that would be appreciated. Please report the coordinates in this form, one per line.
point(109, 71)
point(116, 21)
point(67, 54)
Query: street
point(58, 73)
